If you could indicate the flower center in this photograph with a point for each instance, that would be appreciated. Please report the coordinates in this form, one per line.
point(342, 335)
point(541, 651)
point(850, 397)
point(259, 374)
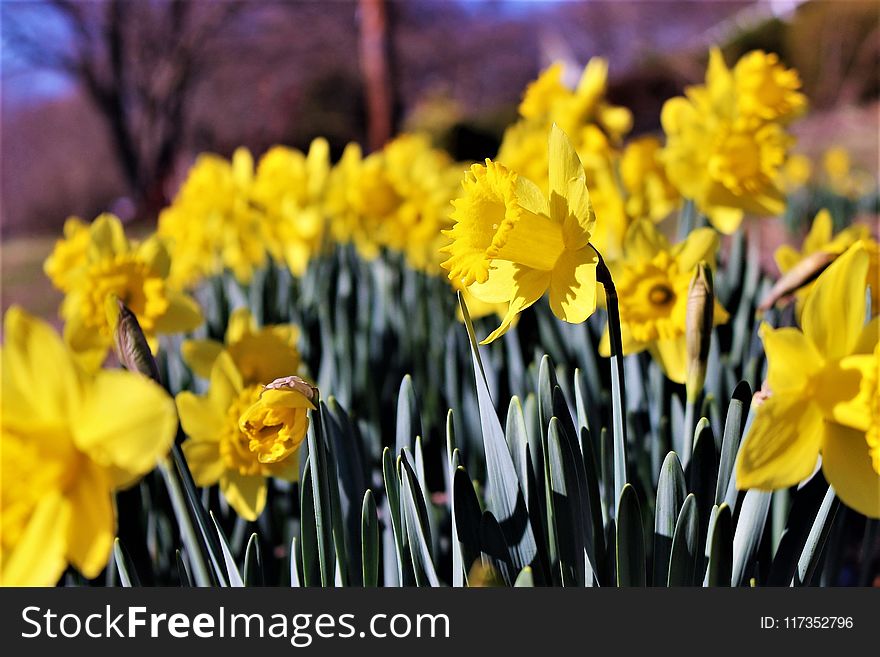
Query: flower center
point(661, 295)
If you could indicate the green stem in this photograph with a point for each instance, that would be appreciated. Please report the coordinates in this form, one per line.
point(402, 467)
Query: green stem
point(618, 389)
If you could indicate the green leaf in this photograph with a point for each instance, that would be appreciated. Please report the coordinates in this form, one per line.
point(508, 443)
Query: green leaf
point(311, 567)
point(370, 541)
point(517, 440)
point(392, 492)
point(630, 540)
point(409, 422)
point(127, 574)
point(701, 473)
point(737, 411)
point(749, 528)
point(815, 543)
point(565, 505)
point(805, 506)
point(504, 496)
point(343, 554)
point(253, 563)
point(546, 383)
point(467, 515)
point(494, 548)
point(232, 574)
point(720, 568)
point(525, 578)
point(182, 571)
point(594, 502)
point(318, 463)
point(417, 527)
point(671, 492)
point(683, 559)
point(295, 567)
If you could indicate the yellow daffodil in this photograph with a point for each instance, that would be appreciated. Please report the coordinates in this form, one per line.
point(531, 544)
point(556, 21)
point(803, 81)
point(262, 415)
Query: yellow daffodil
point(289, 187)
point(842, 177)
point(397, 198)
point(69, 440)
point(69, 255)
point(595, 129)
point(726, 141)
point(213, 223)
point(795, 173)
point(824, 394)
point(766, 89)
point(652, 283)
point(137, 275)
point(650, 195)
point(276, 424)
point(512, 244)
point(821, 239)
point(260, 355)
point(219, 450)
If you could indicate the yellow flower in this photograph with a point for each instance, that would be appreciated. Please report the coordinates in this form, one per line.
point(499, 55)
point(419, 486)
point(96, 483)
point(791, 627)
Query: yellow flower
point(512, 244)
point(824, 394)
point(766, 89)
point(652, 283)
point(276, 424)
point(841, 177)
point(260, 355)
point(397, 198)
point(795, 173)
point(213, 223)
point(69, 439)
point(650, 195)
point(725, 157)
point(218, 450)
point(821, 240)
point(289, 186)
point(135, 274)
point(69, 256)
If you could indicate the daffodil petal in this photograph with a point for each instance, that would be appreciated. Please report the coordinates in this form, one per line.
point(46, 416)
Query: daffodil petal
point(241, 323)
point(199, 416)
point(786, 257)
point(500, 287)
point(564, 166)
point(701, 244)
point(200, 355)
point(792, 358)
point(782, 446)
point(725, 219)
point(246, 494)
point(126, 422)
point(672, 356)
point(834, 312)
point(204, 460)
point(34, 359)
point(90, 535)
point(531, 284)
point(820, 232)
point(530, 196)
point(183, 314)
point(643, 241)
point(39, 556)
point(573, 285)
point(226, 381)
point(846, 464)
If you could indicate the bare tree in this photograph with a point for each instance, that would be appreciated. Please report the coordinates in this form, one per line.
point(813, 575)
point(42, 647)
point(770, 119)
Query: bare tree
point(138, 63)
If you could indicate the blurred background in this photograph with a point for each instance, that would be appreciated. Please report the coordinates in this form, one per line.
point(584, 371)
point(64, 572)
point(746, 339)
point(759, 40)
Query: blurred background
point(105, 104)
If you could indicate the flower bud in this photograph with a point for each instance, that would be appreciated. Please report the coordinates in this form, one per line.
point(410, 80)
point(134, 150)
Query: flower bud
point(131, 345)
point(795, 278)
point(698, 331)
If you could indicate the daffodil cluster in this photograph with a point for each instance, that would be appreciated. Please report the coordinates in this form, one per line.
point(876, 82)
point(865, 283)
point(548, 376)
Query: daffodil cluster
point(727, 140)
point(626, 182)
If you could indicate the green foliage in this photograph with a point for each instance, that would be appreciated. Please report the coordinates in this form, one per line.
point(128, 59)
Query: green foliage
point(437, 462)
